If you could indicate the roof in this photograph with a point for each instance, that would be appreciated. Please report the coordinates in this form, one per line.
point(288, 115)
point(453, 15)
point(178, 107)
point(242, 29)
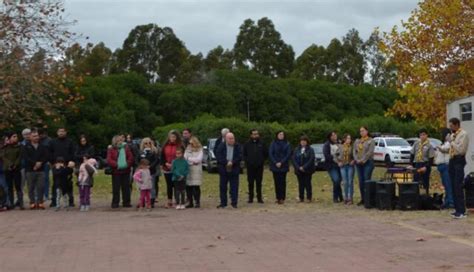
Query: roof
point(461, 98)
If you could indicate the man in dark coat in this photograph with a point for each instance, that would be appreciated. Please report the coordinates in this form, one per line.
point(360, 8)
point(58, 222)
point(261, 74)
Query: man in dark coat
point(255, 153)
point(229, 155)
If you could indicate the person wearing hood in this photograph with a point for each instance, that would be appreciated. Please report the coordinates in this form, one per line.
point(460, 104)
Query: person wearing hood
point(279, 155)
point(255, 152)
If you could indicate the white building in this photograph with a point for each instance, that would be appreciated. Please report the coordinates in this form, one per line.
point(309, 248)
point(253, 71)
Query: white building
point(462, 109)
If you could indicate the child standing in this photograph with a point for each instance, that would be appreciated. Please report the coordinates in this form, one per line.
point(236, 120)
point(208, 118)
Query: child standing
point(85, 181)
point(62, 179)
point(180, 170)
point(143, 178)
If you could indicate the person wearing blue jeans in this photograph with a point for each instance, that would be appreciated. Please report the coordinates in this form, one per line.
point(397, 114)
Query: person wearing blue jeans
point(442, 162)
point(459, 141)
point(303, 161)
point(331, 151)
point(363, 153)
point(346, 164)
point(229, 155)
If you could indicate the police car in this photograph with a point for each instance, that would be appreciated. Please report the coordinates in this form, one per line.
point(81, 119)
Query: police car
point(391, 150)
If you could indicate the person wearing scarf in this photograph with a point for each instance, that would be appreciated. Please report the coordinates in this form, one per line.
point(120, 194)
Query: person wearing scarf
point(279, 155)
point(346, 164)
point(459, 141)
point(422, 158)
point(120, 159)
point(363, 154)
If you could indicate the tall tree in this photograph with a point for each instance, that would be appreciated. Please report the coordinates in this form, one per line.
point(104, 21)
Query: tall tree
point(91, 60)
point(353, 65)
point(218, 58)
point(434, 57)
point(33, 85)
point(311, 64)
point(380, 72)
point(152, 51)
point(259, 47)
point(192, 70)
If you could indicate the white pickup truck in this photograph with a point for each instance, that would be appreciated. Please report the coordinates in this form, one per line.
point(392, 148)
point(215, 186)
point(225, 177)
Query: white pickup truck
point(392, 150)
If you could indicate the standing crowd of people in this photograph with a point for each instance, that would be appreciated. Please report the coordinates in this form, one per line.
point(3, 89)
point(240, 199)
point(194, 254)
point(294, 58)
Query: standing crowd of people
point(29, 162)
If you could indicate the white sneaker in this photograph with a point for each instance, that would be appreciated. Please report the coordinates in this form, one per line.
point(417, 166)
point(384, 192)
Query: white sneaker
point(83, 208)
point(183, 207)
point(86, 208)
point(178, 207)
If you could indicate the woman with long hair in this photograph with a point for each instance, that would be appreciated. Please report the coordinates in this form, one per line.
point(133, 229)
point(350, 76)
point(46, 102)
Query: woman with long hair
point(193, 156)
point(150, 152)
point(279, 155)
point(303, 161)
point(168, 154)
point(363, 153)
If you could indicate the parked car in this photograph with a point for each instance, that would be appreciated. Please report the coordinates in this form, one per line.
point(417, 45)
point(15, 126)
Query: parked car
point(209, 160)
point(392, 150)
point(434, 142)
point(319, 157)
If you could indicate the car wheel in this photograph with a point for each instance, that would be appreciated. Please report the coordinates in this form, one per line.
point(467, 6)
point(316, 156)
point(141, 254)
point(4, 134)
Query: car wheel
point(388, 161)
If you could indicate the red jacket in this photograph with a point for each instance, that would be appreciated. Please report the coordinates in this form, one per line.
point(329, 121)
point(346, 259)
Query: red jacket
point(112, 157)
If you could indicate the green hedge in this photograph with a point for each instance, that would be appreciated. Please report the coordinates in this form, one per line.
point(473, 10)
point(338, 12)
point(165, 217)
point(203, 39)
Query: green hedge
point(208, 126)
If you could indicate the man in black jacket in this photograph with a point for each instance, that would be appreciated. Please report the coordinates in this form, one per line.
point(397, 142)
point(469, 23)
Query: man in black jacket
point(62, 147)
point(35, 156)
point(255, 153)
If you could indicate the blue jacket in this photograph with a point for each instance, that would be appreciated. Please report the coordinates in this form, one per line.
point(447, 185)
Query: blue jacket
point(305, 160)
point(221, 156)
point(280, 151)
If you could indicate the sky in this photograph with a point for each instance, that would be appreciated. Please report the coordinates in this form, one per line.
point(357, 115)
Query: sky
point(203, 25)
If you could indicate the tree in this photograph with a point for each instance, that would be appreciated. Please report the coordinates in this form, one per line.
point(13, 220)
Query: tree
point(153, 52)
point(33, 85)
point(433, 55)
point(260, 48)
point(91, 60)
point(192, 70)
point(353, 65)
point(380, 72)
point(218, 58)
point(311, 64)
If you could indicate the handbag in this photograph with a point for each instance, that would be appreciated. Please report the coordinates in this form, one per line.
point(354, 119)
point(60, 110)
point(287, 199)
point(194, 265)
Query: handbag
point(108, 170)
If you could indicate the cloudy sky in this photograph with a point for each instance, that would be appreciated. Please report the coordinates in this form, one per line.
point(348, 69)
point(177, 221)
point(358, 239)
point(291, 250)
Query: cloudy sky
point(204, 24)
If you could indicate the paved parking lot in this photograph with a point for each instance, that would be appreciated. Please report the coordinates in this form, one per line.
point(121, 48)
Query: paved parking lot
point(230, 240)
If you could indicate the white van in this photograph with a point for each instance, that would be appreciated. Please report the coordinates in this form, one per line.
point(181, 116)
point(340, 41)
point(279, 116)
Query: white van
point(392, 150)
point(462, 109)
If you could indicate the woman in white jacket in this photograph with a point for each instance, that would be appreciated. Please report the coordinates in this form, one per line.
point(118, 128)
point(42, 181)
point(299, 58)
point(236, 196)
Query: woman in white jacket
point(193, 156)
point(442, 160)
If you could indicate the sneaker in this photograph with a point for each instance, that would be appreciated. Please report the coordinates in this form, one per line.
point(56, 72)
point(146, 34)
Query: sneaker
point(87, 208)
point(197, 206)
point(220, 207)
point(178, 207)
point(459, 216)
point(234, 206)
point(57, 208)
point(453, 213)
point(183, 207)
point(83, 208)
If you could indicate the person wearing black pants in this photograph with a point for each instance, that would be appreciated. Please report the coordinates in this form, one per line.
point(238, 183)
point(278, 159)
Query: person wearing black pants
point(120, 159)
point(279, 155)
point(229, 155)
point(168, 154)
point(459, 140)
point(11, 155)
point(255, 153)
point(303, 161)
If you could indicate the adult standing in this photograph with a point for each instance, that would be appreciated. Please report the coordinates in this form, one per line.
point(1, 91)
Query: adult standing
point(279, 155)
point(363, 153)
point(36, 156)
point(331, 151)
point(229, 155)
point(346, 164)
point(11, 156)
point(442, 163)
point(220, 140)
point(303, 161)
point(120, 159)
point(62, 147)
point(83, 149)
point(150, 152)
point(25, 134)
point(422, 158)
point(45, 140)
point(168, 154)
point(459, 141)
point(193, 156)
point(187, 134)
point(255, 152)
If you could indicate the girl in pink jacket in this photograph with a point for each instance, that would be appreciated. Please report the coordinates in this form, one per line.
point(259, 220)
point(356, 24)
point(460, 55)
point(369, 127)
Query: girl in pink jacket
point(144, 181)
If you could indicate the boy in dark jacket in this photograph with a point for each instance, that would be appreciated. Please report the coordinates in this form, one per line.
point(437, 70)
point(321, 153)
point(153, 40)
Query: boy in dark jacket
point(62, 181)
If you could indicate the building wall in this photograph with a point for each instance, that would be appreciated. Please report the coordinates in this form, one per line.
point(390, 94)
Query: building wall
point(453, 110)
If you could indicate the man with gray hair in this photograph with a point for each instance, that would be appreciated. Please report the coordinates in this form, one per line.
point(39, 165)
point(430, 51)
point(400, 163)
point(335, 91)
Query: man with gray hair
point(229, 155)
point(224, 132)
point(25, 134)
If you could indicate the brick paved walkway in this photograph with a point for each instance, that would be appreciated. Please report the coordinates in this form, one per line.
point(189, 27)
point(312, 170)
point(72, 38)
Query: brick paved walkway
point(229, 240)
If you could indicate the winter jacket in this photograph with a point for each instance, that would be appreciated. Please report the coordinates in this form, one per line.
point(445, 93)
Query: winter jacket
point(61, 147)
point(62, 177)
point(86, 173)
point(11, 156)
point(112, 157)
point(143, 178)
point(83, 151)
point(168, 154)
point(304, 159)
point(180, 169)
point(280, 151)
point(152, 157)
point(222, 159)
point(329, 160)
point(195, 170)
point(255, 153)
point(33, 155)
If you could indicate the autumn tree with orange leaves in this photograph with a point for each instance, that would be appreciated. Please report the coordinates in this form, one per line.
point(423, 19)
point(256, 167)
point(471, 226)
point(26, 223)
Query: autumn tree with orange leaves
point(433, 54)
point(35, 86)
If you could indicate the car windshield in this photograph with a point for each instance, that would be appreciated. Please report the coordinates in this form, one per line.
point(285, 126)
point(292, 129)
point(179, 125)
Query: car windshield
point(397, 142)
point(317, 148)
point(212, 143)
point(435, 142)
